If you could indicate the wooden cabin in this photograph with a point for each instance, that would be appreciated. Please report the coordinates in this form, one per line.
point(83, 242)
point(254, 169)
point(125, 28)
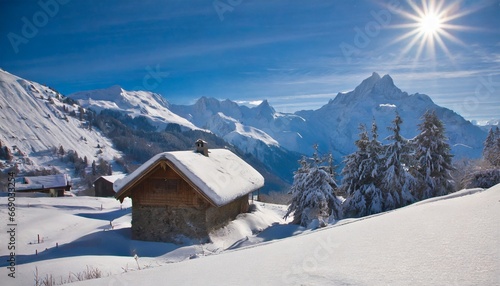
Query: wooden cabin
point(187, 193)
point(103, 185)
point(53, 185)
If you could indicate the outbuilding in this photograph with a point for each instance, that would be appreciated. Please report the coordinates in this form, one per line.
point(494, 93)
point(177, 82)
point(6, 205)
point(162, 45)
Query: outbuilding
point(53, 185)
point(103, 185)
point(187, 193)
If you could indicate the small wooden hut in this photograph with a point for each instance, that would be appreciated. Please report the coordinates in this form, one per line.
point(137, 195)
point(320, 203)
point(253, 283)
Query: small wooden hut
point(187, 193)
point(53, 185)
point(103, 185)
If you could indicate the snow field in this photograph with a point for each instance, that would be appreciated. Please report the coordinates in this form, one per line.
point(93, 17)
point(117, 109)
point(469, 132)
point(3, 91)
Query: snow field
point(451, 240)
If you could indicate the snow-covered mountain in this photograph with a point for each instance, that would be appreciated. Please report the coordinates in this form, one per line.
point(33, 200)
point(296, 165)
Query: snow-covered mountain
point(221, 118)
point(487, 125)
point(134, 103)
point(335, 125)
point(34, 120)
point(249, 129)
point(274, 138)
point(238, 122)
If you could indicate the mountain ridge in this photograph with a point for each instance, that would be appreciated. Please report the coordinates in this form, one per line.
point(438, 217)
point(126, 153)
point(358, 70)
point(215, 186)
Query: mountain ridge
point(276, 139)
point(134, 103)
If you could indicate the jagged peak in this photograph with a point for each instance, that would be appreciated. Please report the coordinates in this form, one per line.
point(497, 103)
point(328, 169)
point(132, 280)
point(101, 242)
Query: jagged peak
point(265, 106)
point(207, 101)
point(386, 88)
point(367, 84)
point(375, 75)
point(386, 80)
point(264, 103)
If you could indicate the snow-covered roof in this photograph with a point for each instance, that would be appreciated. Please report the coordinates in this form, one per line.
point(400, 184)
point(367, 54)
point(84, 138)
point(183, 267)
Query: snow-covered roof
point(43, 182)
point(111, 178)
point(221, 177)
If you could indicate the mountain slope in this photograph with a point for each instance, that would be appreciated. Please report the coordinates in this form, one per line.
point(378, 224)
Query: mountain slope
point(335, 125)
point(221, 118)
point(34, 120)
point(133, 103)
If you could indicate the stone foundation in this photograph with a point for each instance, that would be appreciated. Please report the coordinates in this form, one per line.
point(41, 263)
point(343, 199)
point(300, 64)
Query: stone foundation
point(219, 217)
point(170, 224)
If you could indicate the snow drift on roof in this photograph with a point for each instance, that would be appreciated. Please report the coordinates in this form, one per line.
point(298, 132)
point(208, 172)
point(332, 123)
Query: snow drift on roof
point(112, 178)
point(46, 182)
point(222, 176)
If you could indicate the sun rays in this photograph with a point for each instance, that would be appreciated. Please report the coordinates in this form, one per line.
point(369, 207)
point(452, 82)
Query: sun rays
point(430, 27)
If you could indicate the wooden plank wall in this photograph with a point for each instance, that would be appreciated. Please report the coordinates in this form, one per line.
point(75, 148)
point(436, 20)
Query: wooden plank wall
point(164, 187)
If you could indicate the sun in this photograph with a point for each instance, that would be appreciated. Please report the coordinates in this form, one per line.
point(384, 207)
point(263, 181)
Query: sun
point(429, 25)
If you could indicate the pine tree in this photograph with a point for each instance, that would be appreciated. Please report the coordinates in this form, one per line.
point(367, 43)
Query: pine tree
point(313, 192)
point(61, 150)
point(397, 181)
point(362, 176)
point(433, 158)
point(374, 170)
point(355, 204)
point(491, 151)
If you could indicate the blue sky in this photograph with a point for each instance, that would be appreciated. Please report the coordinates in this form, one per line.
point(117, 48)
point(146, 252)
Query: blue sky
point(296, 54)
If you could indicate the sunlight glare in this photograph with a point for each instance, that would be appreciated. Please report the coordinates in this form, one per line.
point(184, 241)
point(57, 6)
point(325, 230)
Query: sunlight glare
point(430, 24)
point(429, 28)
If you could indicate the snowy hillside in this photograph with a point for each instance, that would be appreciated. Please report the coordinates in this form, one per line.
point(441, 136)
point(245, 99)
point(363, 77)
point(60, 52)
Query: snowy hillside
point(34, 120)
point(450, 240)
point(134, 103)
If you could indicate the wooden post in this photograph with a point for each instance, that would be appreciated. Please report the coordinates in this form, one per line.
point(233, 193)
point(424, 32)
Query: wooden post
point(36, 251)
point(38, 238)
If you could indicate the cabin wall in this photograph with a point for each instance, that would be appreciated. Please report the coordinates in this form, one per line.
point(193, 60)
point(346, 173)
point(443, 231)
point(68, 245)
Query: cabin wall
point(164, 187)
point(103, 188)
point(168, 224)
point(217, 217)
point(166, 208)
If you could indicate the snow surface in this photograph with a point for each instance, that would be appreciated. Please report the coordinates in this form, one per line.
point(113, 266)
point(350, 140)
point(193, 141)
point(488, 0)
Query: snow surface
point(221, 175)
point(451, 240)
point(31, 126)
point(134, 103)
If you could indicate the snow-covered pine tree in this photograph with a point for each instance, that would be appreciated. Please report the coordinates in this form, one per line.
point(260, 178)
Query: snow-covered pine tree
point(362, 176)
point(397, 181)
point(433, 158)
point(313, 193)
point(355, 203)
point(491, 151)
point(374, 170)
